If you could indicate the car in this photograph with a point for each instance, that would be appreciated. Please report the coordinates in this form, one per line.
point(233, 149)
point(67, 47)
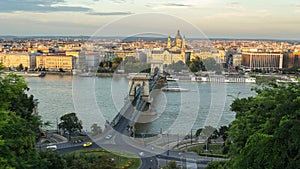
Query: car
point(51, 147)
point(87, 144)
point(108, 137)
point(142, 154)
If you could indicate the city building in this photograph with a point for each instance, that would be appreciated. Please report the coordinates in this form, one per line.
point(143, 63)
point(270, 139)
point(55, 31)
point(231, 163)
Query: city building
point(237, 59)
point(175, 51)
point(13, 60)
point(268, 61)
point(55, 62)
point(291, 59)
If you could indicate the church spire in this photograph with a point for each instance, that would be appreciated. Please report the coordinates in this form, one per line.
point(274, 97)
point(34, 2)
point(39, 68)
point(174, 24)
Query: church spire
point(169, 42)
point(178, 40)
point(183, 43)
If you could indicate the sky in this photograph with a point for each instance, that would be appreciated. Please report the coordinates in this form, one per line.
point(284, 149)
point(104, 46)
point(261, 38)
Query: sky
point(275, 19)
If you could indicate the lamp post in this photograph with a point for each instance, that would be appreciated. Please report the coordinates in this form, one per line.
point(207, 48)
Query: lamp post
point(192, 136)
point(168, 144)
point(177, 140)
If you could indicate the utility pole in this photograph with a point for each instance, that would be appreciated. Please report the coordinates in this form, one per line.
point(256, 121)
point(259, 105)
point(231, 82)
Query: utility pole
point(191, 136)
point(56, 125)
point(168, 144)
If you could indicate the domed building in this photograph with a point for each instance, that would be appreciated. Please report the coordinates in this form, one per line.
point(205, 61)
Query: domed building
point(175, 51)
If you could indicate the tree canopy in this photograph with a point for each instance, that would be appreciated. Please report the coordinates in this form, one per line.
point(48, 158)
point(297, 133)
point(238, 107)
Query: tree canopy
point(19, 127)
point(70, 123)
point(266, 132)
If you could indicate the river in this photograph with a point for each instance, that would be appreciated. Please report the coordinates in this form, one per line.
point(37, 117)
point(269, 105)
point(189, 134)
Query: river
point(96, 99)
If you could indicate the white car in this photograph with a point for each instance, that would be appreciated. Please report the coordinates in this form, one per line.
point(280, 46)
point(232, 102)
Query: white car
point(142, 154)
point(108, 137)
point(52, 147)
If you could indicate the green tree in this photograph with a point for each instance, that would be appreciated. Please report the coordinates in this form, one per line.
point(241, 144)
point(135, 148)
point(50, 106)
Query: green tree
point(211, 65)
point(96, 130)
point(52, 160)
point(70, 123)
point(2, 67)
point(216, 165)
point(130, 59)
point(20, 67)
point(116, 62)
point(266, 132)
point(196, 65)
point(171, 165)
point(178, 66)
point(18, 142)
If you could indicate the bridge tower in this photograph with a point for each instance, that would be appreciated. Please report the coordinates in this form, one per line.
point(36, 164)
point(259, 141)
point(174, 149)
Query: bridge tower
point(139, 84)
point(157, 64)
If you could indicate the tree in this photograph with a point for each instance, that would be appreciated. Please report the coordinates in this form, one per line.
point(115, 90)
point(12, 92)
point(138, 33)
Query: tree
point(210, 64)
point(70, 123)
point(171, 165)
point(130, 59)
point(178, 66)
point(18, 142)
point(266, 132)
point(51, 160)
point(96, 129)
point(116, 62)
point(19, 127)
point(196, 65)
point(20, 67)
point(2, 67)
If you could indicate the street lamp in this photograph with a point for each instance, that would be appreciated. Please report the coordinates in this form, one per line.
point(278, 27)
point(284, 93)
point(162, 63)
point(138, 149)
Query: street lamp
point(168, 144)
point(192, 136)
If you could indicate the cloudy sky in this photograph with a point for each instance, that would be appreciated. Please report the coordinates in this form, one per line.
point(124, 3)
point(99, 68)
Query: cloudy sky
point(212, 18)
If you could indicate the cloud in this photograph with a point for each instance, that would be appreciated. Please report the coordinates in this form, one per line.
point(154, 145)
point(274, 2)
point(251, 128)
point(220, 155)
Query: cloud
point(168, 5)
point(243, 15)
point(38, 6)
point(119, 1)
point(109, 13)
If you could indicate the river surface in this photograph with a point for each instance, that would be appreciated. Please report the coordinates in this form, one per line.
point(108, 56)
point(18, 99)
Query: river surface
point(96, 100)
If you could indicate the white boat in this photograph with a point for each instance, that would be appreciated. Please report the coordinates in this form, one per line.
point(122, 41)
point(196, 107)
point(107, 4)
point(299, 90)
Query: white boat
point(174, 89)
point(88, 74)
point(170, 78)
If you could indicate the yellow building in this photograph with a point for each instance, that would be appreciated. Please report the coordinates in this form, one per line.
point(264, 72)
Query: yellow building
point(55, 62)
point(73, 53)
point(15, 59)
point(126, 53)
point(166, 56)
point(174, 51)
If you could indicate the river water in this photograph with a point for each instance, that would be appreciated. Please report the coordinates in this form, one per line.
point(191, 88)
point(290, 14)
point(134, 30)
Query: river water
point(96, 100)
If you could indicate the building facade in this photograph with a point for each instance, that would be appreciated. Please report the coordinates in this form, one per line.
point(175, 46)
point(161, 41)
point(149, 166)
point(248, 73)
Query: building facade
point(55, 62)
point(13, 60)
point(262, 60)
point(291, 60)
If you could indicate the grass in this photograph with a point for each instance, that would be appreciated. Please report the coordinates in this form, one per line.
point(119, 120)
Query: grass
point(121, 158)
point(215, 150)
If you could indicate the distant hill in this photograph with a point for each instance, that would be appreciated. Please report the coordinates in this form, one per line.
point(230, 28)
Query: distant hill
point(150, 37)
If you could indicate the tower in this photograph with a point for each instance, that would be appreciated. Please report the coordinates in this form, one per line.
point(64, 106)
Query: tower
point(169, 42)
point(178, 40)
point(183, 43)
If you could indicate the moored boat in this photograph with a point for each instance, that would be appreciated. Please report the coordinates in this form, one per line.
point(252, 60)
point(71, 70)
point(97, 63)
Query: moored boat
point(174, 89)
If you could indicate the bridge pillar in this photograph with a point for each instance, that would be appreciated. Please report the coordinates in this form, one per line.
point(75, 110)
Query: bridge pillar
point(139, 82)
point(157, 64)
